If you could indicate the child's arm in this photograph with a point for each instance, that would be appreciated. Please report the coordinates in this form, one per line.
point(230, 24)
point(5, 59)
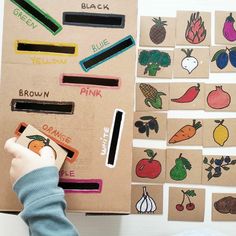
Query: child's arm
point(35, 180)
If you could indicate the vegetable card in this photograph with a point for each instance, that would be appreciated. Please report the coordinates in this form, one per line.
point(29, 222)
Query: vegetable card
point(186, 204)
point(152, 97)
point(223, 207)
point(157, 31)
point(147, 199)
point(191, 63)
point(193, 28)
point(149, 165)
point(184, 132)
point(155, 63)
point(186, 96)
point(220, 97)
point(225, 27)
point(35, 140)
point(183, 166)
point(219, 170)
point(219, 132)
point(150, 125)
point(223, 59)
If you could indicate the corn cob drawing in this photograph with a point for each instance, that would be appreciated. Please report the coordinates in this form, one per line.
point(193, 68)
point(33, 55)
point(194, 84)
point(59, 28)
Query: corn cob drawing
point(152, 96)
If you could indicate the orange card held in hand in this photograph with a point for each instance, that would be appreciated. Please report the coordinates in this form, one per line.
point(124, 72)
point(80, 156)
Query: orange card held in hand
point(35, 140)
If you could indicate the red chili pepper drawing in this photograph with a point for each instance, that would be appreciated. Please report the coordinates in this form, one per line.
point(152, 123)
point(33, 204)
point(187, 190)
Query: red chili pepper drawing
point(189, 95)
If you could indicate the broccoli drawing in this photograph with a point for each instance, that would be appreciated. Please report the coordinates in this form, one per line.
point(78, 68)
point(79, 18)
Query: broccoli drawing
point(154, 60)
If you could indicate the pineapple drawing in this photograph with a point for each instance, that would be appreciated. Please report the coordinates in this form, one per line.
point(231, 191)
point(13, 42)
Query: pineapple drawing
point(152, 96)
point(158, 32)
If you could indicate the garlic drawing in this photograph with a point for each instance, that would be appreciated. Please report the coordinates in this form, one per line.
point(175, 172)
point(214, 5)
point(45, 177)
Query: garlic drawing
point(146, 204)
point(189, 63)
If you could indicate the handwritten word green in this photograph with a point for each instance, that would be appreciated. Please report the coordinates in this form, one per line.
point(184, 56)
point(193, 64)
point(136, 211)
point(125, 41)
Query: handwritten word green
point(28, 21)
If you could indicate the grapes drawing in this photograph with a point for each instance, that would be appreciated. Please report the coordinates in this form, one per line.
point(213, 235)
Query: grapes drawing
point(216, 166)
point(147, 124)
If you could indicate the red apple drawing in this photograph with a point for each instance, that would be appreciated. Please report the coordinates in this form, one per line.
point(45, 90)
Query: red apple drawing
point(148, 168)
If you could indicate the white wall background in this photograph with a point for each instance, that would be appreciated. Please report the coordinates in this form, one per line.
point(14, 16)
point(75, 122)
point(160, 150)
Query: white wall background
point(152, 225)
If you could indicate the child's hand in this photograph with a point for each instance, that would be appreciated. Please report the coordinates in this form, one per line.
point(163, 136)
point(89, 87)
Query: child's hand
point(25, 160)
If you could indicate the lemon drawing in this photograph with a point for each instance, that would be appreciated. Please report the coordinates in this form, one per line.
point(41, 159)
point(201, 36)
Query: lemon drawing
point(220, 133)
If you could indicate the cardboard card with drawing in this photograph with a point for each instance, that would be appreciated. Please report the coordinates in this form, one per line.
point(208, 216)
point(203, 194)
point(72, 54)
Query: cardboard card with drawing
point(183, 166)
point(35, 140)
point(219, 170)
point(186, 96)
point(157, 31)
point(186, 204)
point(193, 28)
point(152, 96)
point(147, 199)
point(184, 132)
point(223, 207)
point(149, 165)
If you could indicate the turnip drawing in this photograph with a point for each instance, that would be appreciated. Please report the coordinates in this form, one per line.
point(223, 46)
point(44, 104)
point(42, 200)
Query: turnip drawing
point(189, 63)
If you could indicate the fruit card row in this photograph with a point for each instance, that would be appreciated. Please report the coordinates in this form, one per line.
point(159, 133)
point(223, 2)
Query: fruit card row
point(185, 96)
point(185, 132)
point(187, 28)
point(185, 204)
point(186, 62)
point(182, 166)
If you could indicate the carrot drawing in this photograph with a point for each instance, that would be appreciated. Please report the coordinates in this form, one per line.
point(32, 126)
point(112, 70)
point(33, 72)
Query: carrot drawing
point(186, 132)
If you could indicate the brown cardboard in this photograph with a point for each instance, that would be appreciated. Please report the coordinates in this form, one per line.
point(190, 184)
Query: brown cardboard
point(149, 165)
point(223, 207)
point(152, 97)
point(33, 138)
point(150, 125)
point(219, 170)
point(220, 97)
point(224, 65)
point(183, 166)
point(153, 34)
point(89, 126)
point(192, 136)
point(147, 67)
point(191, 63)
point(219, 132)
point(186, 96)
point(176, 198)
point(147, 199)
point(223, 28)
point(183, 17)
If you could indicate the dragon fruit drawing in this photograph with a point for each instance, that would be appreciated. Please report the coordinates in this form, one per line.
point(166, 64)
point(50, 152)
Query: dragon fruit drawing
point(195, 31)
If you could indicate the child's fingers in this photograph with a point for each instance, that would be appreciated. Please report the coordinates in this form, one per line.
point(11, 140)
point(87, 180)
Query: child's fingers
point(47, 152)
point(10, 145)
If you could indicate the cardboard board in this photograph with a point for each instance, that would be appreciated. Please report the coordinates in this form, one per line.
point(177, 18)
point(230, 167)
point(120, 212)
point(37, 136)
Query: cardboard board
point(220, 97)
point(152, 97)
point(73, 95)
point(219, 170)
point(149, 165)
point(190, 33)
point(223, 207)
point(191, 63)
point(183, 166)
point(147, 199)
point(224, 29)
point(184, 132)
point(157, 31)
point(190, 203)
point(222, 59)
point(186, 96)
point(34, 140)
point(150, 125)
point(219, 133)
point(150, 66)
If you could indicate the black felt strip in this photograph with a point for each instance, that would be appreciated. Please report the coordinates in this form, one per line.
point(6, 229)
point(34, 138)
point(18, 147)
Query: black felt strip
point(24, 105)
point(94, 19)
point(79, 186)
point(83, 80)
point(115, 138)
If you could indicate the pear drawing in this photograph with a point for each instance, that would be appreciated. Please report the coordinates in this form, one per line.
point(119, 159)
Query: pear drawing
point(179, 171)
